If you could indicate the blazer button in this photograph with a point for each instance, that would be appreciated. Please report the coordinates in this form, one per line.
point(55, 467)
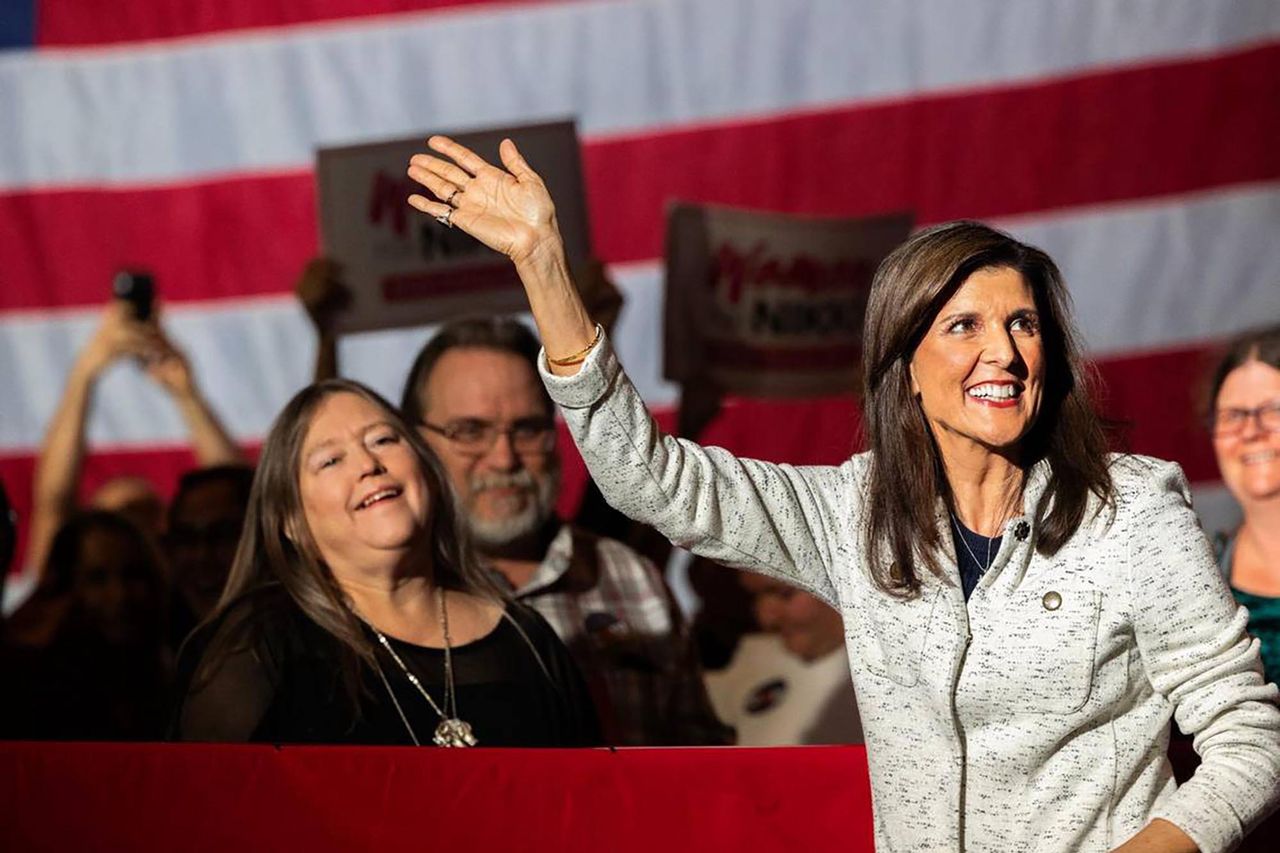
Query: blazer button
point(1051, 601)
point(1021, 531)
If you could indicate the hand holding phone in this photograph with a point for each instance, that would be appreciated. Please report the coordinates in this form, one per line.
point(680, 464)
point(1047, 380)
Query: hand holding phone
point(138, 289)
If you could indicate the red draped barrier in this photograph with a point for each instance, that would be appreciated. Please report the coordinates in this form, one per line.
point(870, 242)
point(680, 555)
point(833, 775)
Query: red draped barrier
point(196, 797)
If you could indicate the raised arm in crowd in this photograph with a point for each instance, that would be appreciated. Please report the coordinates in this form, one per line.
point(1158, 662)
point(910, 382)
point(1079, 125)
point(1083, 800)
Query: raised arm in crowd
point(61, 459)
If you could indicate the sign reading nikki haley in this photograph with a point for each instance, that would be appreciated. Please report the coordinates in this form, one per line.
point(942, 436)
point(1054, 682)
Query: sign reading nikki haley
point(767, 304)
point(405, 268)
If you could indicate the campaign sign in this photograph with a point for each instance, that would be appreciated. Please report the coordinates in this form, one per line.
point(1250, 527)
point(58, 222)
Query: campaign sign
point(767, 304)
point(406, 269)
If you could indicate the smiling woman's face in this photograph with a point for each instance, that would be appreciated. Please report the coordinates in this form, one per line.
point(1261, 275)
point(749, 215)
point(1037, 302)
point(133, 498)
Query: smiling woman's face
point(1249, 453)
point(364, 495)
point(979, 370)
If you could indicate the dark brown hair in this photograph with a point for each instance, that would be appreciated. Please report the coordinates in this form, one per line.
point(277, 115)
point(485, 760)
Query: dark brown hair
point(907, 482)
point(503, 334)
point(1256, 345)
point(276, 546)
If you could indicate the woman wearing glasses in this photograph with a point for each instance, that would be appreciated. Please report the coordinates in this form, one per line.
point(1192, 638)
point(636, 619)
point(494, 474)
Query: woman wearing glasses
point(1023, 612)
point(1246, 438)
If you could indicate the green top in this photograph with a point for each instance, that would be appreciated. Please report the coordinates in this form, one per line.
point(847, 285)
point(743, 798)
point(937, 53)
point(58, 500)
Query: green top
point(1264, 613)
point(1264, 623)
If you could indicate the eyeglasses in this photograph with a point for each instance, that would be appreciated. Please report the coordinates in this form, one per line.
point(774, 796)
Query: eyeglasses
point(473, 436)
point(1226, 423)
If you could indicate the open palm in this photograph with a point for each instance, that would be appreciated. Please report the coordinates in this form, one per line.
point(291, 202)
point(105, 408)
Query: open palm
point(509, 210)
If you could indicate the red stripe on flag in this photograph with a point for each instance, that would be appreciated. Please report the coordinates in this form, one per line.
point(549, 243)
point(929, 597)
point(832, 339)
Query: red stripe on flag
point(1129, 134)
point(223, 239)
point(1155, 394)
point(1103, 137)
point(1157, 400)
point(80, 23)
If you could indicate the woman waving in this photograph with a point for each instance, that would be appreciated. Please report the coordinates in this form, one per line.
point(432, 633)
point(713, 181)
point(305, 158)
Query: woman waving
point(1024, 612)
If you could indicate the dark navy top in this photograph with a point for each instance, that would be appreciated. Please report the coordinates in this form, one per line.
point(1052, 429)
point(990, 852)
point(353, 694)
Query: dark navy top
point(971, 570)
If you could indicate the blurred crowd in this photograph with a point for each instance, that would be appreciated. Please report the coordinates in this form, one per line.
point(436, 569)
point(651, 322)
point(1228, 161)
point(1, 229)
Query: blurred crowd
point(122, 580)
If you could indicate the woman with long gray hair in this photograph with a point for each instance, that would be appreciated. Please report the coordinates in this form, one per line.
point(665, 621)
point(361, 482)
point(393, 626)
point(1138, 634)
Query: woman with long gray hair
point(355, 611)
point(1024, 613)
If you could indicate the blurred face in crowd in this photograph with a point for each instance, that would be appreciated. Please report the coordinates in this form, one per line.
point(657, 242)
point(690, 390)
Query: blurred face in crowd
point(807, 627)
point(979, 369)
point(1246, 432)
point(114, 589)
point(498, 441)
point(205, 526)
point(364, 494)
point(135, 499)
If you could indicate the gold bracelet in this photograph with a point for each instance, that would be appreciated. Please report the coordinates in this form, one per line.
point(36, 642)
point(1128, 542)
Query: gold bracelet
point(581, 355)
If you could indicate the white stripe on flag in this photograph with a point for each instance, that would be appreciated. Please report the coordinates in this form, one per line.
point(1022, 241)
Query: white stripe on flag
point(262, 101)
point(1157, 274)
point(1145, 276)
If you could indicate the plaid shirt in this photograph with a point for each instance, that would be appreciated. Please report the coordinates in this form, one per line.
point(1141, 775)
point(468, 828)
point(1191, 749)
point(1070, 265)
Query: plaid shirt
point(612, 609)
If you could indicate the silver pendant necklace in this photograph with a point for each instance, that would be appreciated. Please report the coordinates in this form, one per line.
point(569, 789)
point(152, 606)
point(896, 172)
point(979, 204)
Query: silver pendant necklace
point(965, 542)
point(451, 731)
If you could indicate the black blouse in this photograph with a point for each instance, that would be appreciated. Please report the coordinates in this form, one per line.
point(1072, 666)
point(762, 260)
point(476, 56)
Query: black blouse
point(283, 683)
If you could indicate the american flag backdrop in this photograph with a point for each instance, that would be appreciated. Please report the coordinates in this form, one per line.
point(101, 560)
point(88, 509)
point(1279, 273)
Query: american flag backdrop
point(1137, 141)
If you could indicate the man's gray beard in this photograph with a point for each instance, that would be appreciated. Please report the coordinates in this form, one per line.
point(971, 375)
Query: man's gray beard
point(500, 532)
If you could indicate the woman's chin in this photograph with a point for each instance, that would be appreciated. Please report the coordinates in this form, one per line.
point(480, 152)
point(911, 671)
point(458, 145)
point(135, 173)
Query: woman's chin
point(1259, 492)
point(1006, 443)
point(1002, 436)
point(366, 543)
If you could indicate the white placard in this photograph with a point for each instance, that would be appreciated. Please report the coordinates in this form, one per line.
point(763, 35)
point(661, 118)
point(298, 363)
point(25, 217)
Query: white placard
point(767, 304)
point(406, 269)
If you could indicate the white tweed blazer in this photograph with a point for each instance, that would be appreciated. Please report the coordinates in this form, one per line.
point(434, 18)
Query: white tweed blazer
point(1034, 717)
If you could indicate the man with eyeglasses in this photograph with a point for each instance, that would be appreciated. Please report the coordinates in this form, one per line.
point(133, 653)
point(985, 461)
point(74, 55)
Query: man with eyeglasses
point(475, 394)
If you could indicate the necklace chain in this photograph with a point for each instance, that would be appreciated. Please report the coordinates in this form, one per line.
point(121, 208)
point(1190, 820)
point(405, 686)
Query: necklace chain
point(451, 731)
point(965, 542)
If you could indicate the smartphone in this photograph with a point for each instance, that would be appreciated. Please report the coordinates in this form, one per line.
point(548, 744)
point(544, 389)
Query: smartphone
point(138, 289)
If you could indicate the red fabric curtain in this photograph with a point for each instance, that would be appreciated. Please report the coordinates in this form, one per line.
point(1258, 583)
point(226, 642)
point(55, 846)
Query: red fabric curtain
point(245, 798)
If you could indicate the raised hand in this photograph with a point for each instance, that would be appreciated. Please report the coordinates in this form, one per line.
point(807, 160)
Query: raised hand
point(168, 366)
point(509, 210)
point(118, 334)
point(322, 292)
